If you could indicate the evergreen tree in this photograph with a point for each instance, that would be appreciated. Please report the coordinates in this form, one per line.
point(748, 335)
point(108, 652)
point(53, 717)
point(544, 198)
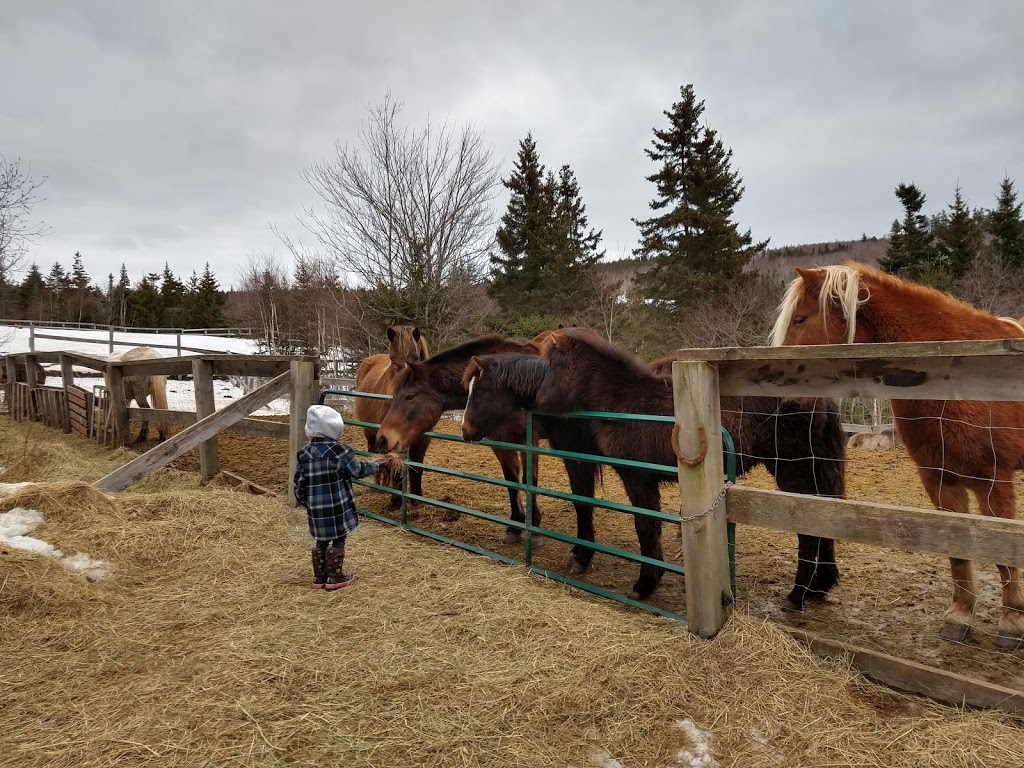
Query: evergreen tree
point(32, 294)
point(144, 303)
point(172, 293)
point(1007, 226)
point(515, 270)
point(210, 300)
point(694, 243)
point(57, 286)
point(565, 286)
point(958, 236)
point(81, 289)
point(910, 253)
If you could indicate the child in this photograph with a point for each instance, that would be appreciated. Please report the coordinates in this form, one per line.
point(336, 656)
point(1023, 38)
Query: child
point(323, 485)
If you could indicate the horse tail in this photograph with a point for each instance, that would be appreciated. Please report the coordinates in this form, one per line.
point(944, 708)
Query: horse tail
point(158, 389)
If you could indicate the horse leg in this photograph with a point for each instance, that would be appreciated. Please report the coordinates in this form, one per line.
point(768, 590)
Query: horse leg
point(997, 500)
point(144, 429)
point(947, 493)
point(642, 489)
point(416, 453)
point(581, 482)
point(512, 470)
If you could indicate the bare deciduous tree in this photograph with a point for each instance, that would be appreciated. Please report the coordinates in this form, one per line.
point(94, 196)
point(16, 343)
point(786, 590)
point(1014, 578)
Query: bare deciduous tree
point(19, 193)
point(408, 214)
point(263, 283)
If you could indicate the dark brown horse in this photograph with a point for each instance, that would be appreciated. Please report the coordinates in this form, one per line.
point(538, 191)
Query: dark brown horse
point(960, 446)
point(379, 374)
point(799, 442)
point(21, 374)
point(425, 390)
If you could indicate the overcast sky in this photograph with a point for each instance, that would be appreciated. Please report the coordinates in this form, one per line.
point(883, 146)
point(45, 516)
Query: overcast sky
point(172, 131)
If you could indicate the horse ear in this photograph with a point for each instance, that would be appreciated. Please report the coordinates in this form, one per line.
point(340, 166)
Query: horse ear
point(561, 326)
point(813, 278)
point(391, 334)
point(412, 370)
point(476, 366)
point(416, 332)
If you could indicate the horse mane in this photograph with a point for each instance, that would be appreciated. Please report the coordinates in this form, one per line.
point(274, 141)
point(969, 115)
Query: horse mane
point(619, 357)
point(842, 286)
point(520, 374)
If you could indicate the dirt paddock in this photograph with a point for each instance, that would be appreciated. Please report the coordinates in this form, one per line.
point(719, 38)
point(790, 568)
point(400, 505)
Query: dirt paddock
point(888, 600)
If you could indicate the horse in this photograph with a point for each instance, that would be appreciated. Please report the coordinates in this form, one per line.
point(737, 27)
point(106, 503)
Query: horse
point(140, 388)
point(425, 390)
point(959, 446)
point(21, 373)
point(379, 374)
point(799, 442)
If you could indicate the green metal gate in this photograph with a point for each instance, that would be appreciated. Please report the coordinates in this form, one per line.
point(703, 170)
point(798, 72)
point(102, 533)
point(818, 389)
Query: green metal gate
point(528, 528)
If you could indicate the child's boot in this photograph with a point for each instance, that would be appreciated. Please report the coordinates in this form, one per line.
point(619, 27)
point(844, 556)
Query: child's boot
point(319, 555)
point(336, 578)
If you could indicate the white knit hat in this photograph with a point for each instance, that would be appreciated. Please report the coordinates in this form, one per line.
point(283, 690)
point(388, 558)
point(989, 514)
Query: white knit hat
point(324, 421)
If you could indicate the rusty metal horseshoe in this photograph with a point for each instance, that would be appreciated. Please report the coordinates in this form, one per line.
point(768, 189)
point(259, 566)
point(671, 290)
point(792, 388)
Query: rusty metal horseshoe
point(701, 453)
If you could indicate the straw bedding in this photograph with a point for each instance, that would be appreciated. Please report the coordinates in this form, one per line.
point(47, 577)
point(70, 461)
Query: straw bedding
point(205, 646)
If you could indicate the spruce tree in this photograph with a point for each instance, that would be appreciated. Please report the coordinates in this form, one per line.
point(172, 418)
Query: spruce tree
point(31, 294)
point(144, 303)
point(1007, 226)
point(515, 269)
point(693, 241)
point(958, 237)
point(910, 253)
point(80, 284)
point(57, 286)
point(210, 301)
point(172, 291)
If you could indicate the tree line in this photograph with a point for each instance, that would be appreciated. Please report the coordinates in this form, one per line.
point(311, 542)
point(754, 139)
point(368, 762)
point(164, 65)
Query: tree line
point(405, 232)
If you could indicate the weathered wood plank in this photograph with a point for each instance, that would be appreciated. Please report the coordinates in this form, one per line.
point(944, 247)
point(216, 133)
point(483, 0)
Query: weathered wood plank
point(165, 366)
point(1009, 348)
point(189, 437)
point(989, 377)
point(303, 394)
point(705, 541)
point(202, 375)
point(937, 684)
point(67, 377)
point(238, 480)
point(274, 430)
point(971, 537)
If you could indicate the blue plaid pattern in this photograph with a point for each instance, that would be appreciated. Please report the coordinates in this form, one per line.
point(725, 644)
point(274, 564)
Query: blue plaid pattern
point(323, 485)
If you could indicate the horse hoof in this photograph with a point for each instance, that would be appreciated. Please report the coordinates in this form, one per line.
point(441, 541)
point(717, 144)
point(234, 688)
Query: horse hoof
point(955, 633)
point(1009, 642)
point(538, 541)
point(576, 567)
point(513, 537)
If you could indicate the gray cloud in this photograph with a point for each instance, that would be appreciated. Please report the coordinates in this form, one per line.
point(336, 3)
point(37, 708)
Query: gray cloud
point(175, 134)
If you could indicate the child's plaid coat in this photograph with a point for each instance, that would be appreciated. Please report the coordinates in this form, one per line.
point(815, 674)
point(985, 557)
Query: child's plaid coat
point(323, 485)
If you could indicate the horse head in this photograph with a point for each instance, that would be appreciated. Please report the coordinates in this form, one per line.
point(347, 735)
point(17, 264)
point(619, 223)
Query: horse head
point(406, 344)
point(821, 307)
point(498, 386)
point(415, 408)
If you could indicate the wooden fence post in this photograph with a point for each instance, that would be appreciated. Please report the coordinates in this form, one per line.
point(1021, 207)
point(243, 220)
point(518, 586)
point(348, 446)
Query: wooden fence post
point(698, 437)
point(303, 394)
point(202, 375)
point(12, 371)
point(67, 378)
point(110, 337)
point(118, 406)
point(33, 381)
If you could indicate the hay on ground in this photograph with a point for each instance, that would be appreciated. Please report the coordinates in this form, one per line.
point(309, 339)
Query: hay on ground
point(207, 647)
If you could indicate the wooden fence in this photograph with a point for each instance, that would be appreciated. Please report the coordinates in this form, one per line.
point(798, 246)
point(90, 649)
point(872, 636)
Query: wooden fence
point(294, 376)
point(952, 370)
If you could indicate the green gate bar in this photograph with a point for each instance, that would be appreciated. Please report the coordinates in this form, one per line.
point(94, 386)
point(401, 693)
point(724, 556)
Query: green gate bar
point(531, 490)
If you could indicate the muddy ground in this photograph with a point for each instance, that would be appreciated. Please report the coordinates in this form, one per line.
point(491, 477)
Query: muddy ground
point(888, 600)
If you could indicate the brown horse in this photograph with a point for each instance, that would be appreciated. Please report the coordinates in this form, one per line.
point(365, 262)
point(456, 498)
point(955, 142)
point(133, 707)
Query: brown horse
point(21, 373)
point(140, 388)
point(799, 442)
point(379, 374)
point(959, 446)
point(425, 390)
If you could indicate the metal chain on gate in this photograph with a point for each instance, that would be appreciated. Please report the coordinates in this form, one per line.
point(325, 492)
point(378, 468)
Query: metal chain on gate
point(709, 510)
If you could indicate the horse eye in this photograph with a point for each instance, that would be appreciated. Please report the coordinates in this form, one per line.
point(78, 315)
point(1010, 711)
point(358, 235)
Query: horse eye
point(799, 319)
point(410, 398)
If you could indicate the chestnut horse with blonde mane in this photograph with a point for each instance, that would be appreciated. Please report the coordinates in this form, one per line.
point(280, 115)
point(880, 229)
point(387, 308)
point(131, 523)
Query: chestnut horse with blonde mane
point(379, 374)
point(959, 446)
point(141, 388)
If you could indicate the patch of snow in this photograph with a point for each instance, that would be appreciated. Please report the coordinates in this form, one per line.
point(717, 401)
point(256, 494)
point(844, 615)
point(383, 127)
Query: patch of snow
point(89, 567)
point(761, 739)
point(6, 489)
point(19, 521)
point(700, 756)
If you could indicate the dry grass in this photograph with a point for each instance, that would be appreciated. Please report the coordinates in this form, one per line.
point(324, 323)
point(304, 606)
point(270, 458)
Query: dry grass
point(206, 647)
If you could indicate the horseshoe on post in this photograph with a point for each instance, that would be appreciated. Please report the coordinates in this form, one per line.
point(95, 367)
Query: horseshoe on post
point(701, 453)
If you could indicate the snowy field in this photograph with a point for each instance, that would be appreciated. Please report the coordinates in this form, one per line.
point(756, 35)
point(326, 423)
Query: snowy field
point(180, 394)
